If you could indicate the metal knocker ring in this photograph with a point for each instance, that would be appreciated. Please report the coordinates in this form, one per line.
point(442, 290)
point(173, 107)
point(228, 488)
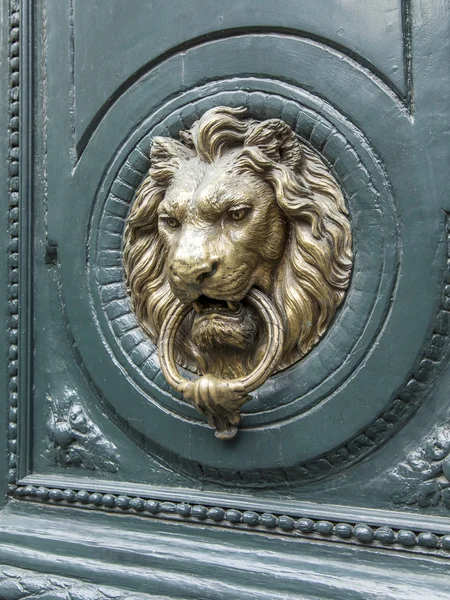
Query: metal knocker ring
point(221, 399)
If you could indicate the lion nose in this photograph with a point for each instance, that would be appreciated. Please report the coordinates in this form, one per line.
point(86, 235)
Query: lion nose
point(195, 273)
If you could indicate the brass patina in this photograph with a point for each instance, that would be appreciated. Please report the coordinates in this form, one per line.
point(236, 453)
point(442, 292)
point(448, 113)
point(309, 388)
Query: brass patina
point(237, 254)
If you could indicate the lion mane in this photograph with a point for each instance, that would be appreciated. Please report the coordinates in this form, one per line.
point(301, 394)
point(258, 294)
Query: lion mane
point(314, 272)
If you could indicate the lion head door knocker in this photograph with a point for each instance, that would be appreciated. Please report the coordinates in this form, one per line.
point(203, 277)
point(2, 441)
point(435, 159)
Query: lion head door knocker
point(237, 254)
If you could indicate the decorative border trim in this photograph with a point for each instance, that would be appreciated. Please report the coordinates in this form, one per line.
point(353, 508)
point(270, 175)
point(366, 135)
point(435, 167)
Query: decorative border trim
point(13, 275)
point(351, 532)
point(254, 520)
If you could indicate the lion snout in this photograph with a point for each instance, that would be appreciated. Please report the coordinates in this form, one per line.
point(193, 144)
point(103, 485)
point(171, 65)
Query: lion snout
point(188, 275)
point(193, 272)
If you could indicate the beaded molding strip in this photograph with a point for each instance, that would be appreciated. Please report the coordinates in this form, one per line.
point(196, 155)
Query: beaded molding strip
point(254, 520)
point(13, 275)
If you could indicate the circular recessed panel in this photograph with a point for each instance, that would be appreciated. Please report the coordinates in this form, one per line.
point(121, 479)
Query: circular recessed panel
point(354, 329)
point(285, 402)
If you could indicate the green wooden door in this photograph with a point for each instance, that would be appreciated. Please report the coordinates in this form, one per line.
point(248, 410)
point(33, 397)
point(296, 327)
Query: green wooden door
point(337, 484)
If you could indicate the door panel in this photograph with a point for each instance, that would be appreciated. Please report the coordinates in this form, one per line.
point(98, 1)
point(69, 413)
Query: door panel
point(340, 454)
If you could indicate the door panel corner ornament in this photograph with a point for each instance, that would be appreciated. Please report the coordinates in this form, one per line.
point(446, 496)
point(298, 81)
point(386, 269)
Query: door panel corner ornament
point(74, 439)
point(237, 254)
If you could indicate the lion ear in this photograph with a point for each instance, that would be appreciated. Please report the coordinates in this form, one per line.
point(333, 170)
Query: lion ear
point(166, 157)
point(277, 140)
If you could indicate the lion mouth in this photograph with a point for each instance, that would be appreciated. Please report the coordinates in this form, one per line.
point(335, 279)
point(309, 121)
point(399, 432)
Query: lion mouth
point(205, 305)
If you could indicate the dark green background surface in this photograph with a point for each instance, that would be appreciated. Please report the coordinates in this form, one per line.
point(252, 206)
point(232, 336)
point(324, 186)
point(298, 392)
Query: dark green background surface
point(95, 77)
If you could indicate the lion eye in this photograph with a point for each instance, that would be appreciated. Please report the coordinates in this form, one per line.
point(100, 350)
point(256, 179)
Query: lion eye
point(170, 221)
point(239, 214)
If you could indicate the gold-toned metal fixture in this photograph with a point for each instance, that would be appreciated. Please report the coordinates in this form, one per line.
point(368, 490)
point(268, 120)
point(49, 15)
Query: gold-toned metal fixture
point(237, 254)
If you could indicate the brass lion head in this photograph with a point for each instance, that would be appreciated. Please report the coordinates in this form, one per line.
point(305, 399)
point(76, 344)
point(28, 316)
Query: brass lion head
point(235, 205)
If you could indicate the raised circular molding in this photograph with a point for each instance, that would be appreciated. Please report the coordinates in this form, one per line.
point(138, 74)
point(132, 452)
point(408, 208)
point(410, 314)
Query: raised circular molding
point(311, 383)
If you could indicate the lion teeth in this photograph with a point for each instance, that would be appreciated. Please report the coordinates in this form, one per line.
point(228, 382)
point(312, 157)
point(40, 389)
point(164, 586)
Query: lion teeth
point(197, 306)
point(233, 306)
